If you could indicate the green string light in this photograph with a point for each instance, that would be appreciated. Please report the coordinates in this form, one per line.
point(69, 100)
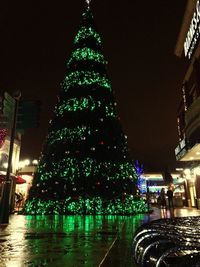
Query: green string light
point(71, 168)
point(84, 103)
point(67, 169)
point(85, 33)
point(79, 78)
point(76, 104)
point(67, 134)
point(96, 205)
point(87, 54)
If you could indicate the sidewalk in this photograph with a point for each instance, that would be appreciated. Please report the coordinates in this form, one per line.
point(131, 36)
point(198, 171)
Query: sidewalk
point(121, 253)
point(75, 241)
point(177, 212)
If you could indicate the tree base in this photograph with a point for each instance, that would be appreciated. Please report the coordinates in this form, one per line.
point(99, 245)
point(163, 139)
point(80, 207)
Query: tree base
point(88, 206)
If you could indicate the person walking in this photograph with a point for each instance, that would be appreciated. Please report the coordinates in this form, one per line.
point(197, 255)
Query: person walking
point(162, 199)
point(170, 198)
point(19, 198)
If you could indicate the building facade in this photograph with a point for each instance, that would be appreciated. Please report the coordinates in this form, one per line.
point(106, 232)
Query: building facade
point(154, 182)
point(188, 119)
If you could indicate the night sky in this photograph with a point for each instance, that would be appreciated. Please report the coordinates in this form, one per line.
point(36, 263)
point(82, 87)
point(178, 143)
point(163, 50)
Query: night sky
point(139, 38)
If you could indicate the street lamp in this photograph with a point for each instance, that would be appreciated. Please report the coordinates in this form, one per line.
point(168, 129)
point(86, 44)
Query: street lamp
point(187, 176)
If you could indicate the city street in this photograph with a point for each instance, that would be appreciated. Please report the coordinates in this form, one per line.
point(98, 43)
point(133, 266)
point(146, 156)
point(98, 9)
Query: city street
point(73, 241)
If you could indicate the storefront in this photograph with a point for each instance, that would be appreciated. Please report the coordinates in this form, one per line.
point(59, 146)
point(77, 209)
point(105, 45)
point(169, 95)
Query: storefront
point(20, 186)
point(154, 182)
point(188, 117)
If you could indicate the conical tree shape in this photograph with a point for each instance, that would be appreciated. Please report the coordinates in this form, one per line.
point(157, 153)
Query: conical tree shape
point(84, 167)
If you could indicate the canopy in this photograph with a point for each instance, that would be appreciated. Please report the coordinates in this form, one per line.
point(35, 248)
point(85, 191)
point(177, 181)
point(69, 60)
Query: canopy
point(18, 179)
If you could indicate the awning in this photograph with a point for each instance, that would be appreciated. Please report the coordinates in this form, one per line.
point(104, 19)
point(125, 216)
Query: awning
point(18, 179)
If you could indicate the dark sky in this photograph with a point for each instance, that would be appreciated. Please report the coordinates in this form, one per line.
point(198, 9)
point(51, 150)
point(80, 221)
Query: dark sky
point(138, 39)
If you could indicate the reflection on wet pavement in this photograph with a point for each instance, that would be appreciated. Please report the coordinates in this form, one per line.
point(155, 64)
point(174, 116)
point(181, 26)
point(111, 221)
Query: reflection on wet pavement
point(73, 241)
point(57, 240)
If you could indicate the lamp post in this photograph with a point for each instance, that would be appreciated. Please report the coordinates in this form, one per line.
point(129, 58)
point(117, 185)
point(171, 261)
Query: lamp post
point(187, 174)
point(148, 196)
point(5, 200)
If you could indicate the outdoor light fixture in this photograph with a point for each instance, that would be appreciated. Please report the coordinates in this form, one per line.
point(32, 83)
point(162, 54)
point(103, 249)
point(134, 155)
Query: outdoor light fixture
point(179, 169)
point(197, 170)
point(23, 163)
point(35, 162)
point(5, 165)
point(186, 171)
point(27, 162)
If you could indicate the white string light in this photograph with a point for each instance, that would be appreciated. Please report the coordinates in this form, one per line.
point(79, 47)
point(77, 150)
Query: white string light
point(88, 2)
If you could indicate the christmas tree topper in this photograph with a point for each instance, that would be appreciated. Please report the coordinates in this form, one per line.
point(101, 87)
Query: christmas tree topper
point(88, 2)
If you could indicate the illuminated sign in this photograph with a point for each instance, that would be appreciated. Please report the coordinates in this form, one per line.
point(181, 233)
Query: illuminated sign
point(193, 33)
point(181, 149)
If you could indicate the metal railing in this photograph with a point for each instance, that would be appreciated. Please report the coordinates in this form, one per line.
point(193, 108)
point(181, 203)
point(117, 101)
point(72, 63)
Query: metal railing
point(168, 242)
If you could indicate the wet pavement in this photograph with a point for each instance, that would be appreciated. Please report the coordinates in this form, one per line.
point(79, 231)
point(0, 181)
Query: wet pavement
point(73, 241)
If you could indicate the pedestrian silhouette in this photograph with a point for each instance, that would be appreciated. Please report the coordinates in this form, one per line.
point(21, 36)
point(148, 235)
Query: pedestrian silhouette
point(170, 198)
point(19, 198)
point(162, 198)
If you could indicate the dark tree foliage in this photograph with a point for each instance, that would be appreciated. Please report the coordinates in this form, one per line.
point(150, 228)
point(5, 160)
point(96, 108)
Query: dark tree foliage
point(85, 164)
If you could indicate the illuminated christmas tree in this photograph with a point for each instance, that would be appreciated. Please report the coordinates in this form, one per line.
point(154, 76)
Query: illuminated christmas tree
point(85, 167)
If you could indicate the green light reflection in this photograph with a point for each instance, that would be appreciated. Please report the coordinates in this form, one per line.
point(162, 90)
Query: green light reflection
point(57, 240)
